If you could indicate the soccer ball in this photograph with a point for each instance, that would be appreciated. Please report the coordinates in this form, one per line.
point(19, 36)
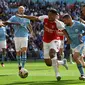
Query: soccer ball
point(23, 73)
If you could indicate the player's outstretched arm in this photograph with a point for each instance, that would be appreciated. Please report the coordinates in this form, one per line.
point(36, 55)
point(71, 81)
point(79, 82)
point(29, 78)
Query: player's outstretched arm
point(10, 23)
point(28, 17)
point(81, 20)
point(31, 30)
point(67, 36)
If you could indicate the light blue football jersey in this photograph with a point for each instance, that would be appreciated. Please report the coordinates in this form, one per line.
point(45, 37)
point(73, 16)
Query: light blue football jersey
point(74, 32)
point(83, 39)
point(20, 30)
point(2, 33)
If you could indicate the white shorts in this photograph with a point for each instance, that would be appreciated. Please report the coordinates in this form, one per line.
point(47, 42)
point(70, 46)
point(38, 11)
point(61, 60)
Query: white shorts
point(2, 44)
point(80, 48)
point(55, 44)
point(20, 42)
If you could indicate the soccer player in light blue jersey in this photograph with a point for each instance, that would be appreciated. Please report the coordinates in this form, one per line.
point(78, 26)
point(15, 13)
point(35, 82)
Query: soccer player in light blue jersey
point(3, 39)
point(21, 36)
point(74, 28)
point(2, 42)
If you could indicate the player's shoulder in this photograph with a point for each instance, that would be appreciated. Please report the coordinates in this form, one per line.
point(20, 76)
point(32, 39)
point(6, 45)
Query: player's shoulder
point(43, 17)
point(76, 22)
point(58, 22)
point(14, 16)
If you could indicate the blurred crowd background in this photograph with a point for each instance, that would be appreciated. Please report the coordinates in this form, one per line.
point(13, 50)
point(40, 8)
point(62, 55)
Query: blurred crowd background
point(9, 8)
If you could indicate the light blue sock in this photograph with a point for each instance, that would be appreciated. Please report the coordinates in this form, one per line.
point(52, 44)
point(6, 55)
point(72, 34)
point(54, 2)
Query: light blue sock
point(24, 58)
point(18, 60)
point(80, 68)
point(3, 57)
point(41, 54)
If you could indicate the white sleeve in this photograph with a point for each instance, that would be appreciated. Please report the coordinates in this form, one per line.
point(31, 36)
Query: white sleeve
point(60, 25)
point(41, 18)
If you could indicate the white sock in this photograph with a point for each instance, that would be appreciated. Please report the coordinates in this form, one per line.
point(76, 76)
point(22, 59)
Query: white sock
point(60, 62)
point(55, 66)
point(71, 58)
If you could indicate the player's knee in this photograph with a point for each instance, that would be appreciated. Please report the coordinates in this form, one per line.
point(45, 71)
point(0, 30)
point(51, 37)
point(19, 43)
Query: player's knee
point(18, 53)
point(23, 50)
point(49, 65)
point(48, 62)
point(76, 56)
point(52, 53)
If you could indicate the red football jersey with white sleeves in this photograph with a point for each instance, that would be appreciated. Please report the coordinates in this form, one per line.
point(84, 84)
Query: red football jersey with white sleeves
point(61, 37)
point(50, 29)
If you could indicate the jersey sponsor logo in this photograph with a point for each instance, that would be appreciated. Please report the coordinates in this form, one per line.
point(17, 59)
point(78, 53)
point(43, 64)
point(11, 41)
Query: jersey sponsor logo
point(76, 30)
point(53, 27)
point(48, 30)
point(46, 23)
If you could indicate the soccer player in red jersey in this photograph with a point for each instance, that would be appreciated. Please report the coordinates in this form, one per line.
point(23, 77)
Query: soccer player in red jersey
point(51, 44)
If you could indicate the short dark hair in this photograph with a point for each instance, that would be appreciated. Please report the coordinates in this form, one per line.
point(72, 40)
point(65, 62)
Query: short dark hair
point(66, 16)
point(52, 10)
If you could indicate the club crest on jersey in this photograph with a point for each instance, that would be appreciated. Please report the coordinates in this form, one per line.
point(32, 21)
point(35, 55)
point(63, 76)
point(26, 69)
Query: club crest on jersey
point(46, 23)
point(76, 30)
point(52, 26)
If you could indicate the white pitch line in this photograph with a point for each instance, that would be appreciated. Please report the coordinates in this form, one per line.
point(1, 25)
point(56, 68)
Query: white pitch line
point(12, 74)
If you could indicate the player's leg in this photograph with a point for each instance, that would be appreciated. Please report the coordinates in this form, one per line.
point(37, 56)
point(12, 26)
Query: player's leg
point(18, 52)
point(54, 48)
point(63, 61)
point(82, 55)
point(24, 45)
point(52, 54)
point(49, 61)
point(18, 57)
point(24, 56)
point(3, 51)
point(82, 61)
point(61, 51)
point(76, 56)
point(71, 57)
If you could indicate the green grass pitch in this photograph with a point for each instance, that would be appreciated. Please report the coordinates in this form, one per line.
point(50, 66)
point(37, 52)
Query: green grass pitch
point(39, 74)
